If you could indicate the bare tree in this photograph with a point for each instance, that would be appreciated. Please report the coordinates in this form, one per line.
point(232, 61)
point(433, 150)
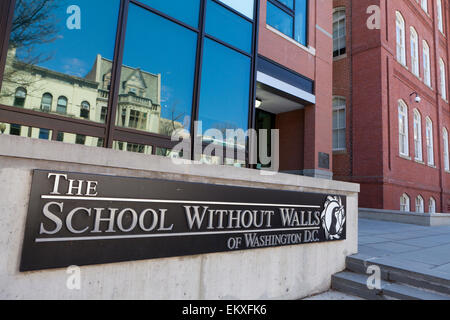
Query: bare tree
point(175, 122)
point(34, 24)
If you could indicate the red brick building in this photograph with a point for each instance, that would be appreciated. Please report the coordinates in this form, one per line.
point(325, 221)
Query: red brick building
point(305, 140)
point(390, 98)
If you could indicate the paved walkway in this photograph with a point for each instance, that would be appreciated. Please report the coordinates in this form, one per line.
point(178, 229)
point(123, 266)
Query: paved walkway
point(424, 248)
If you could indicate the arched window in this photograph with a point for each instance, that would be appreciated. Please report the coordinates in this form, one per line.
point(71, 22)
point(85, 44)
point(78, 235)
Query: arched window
point(85, 110)
point(414, 51)
point(339, 32)
point(432, 205)
point(446, 155)
point(417, 136)
point(426, 64)
point(404, 203)
point(430, 142)
point(439, 15)
point(403, 128)
point(400, 30)
point(339, 124)
point(443, 79)
point(19, 97)
point(46, 103)
point(62, 105)
point(419, 205)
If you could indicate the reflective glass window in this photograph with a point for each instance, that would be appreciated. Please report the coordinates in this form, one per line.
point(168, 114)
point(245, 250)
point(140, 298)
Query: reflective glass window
point(228, 26)
point(157, 76)
point(186, 11)
point(289, 17)
point(246, 7)
point(225, 89)
point(60, 48)
point(280, 20)
point(288, 3)
point(301, 20)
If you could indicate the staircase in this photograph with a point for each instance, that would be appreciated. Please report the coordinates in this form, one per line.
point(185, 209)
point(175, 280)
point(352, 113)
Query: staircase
point(399, 281)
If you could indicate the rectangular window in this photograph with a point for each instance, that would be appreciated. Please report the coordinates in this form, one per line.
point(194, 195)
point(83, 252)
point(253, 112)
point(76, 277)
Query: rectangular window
point(61, 53)
point(54, 53)
point(44, 134)
point(164, 77)
point(339, 32)
point(339, 124)
point(440, 18)
point(289, 17)
point(224, 70)
point(403, 129)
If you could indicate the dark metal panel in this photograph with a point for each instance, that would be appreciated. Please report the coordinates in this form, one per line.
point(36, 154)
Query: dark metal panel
point(54, 122)
point(142, 137)
point(116, 72)
point(282, 73)
point(252, 112)
point(153, 219)
point(198, 75)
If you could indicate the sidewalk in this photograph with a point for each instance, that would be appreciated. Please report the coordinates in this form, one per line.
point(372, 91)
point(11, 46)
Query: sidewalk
point(422, 248)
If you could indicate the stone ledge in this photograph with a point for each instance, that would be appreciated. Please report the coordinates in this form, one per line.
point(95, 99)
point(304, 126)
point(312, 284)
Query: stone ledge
point(421, 219)
point(26, 148)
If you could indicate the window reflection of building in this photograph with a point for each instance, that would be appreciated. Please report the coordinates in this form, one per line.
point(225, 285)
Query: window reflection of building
point(86, 98)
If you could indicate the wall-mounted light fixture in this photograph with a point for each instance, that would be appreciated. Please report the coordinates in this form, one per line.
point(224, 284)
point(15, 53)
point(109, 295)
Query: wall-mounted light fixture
point(417, 99)
point(258, 103)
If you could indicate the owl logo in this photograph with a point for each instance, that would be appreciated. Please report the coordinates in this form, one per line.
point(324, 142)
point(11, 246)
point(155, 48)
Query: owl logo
point(333, 218)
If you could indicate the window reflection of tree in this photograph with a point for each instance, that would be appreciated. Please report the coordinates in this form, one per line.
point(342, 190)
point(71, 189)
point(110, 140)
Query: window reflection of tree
point(34, 24)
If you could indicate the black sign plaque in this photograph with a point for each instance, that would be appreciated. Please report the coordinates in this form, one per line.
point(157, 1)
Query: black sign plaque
point(84, 219)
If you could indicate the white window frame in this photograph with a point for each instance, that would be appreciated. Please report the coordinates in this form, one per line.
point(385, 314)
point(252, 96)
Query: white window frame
point(339, 105)
point(400, 39)
point(420, 206)
point(414, 42)
point(430, 142)
point(403, 129)
point(446, 152)
point(440, 19)
point(418, 152)
point(339, 18)
point(404, 203)
point(432, 205)
point(443, 79)
point(426, 63)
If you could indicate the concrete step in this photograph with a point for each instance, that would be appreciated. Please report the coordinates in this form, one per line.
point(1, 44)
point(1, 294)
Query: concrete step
point(399, 271)
point(356, 284)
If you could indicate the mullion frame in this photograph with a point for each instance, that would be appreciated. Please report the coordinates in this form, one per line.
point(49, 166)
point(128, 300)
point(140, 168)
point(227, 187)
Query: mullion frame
point(109, 131)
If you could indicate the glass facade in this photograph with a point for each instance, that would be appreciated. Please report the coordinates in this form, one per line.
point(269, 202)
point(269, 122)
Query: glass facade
point(225, 90)
point(290, 18)
point(129, 81)
point(157, 76)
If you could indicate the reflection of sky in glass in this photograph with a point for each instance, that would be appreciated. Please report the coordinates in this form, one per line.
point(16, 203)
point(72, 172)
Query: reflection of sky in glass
point(279, 19)
point(225, 88)
point(288, 3)
point(228, 26)
point(243, 6)
point(184, 10)
point(73, 52)
point(301, 19)
point(159, 46)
